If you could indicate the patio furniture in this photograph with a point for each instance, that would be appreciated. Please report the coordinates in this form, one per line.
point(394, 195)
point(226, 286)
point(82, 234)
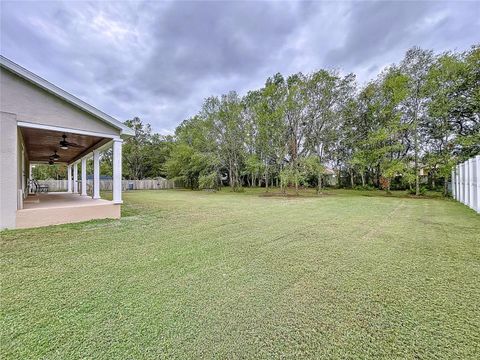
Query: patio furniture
point(37, 188)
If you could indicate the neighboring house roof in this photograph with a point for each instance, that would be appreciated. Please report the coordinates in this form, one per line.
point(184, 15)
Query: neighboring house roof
point(55, 90)
point(328, 171)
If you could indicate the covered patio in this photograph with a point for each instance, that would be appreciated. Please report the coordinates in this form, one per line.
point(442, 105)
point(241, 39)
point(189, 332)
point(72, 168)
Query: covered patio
point(43, 146)
point(43, 124)
point(62, 207)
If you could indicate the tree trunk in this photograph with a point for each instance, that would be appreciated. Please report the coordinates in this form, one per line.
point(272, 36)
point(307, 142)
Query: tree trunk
point(319, 182)
point(417, 175)
point(266, 180)
point(363, 179)
point(230, 175)
point(351, 179)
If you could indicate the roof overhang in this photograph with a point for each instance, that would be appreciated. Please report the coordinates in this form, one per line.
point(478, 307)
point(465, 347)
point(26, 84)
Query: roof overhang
point(62, 94)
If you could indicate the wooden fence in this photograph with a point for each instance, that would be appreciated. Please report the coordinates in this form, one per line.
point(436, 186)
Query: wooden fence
point(106, 185)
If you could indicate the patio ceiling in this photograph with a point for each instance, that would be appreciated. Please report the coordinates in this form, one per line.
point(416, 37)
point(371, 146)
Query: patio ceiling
point(41, 144)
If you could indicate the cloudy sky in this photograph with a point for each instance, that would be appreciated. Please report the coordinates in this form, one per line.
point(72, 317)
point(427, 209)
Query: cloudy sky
point(159, 60)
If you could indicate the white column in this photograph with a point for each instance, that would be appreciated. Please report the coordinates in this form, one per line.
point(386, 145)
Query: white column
point(96, 174)
point(84, 176)
point(69, 178)
point(462, 187)
point(117, 171)
point(75, 178)
point(453, 182)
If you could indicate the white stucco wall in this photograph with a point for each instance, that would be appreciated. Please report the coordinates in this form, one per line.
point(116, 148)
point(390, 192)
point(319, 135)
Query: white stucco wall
point(8, 169)
point(35, 105)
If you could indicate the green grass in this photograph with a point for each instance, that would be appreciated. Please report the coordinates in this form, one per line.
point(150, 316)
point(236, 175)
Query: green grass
point(221, 275)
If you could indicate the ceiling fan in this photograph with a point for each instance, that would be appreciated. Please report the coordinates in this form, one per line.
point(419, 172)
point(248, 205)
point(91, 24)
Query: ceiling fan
point(54, 157)
point(64, 144)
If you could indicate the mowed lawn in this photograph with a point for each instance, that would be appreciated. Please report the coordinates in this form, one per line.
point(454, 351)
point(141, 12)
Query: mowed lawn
point(220, 275)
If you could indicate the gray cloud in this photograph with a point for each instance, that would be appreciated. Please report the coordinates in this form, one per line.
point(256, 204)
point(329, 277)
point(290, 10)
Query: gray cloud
point(159, 60)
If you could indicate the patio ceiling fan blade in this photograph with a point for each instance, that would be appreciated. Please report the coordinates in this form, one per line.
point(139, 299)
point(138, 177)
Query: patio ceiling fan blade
point(54, 156)
point(74, 145)
point(64, 144)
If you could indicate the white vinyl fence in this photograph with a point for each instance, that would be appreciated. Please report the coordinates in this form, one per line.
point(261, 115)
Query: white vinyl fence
point(106, 185)
point(466, 183)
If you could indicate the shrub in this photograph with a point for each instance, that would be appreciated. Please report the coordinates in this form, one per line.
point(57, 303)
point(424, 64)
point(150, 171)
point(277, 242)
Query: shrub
point(423, 190)
point(384, 183)
point(208, 181)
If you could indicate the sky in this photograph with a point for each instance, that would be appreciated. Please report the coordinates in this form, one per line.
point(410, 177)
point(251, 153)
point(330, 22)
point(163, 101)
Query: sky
point(160, 60)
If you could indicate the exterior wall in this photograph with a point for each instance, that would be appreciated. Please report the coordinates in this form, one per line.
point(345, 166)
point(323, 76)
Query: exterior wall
point(8, 170)
point(35, 105)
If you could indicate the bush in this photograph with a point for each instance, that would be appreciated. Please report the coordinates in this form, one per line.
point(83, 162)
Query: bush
point(208, 181)
point(423, 190)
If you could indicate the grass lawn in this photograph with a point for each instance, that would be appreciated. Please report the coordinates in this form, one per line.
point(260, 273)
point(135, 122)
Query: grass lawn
point(220, 275)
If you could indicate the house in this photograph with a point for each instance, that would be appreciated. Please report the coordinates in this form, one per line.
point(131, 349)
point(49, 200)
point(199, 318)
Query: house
point(41, 123)
point(329, 177)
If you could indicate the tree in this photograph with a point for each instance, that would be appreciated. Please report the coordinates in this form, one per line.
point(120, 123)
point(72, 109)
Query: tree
point(327, 98)
point(453, 128)
point(134, 156)
point(157, 151)
point(225, 115)
point(312, 166)
point(415, 66)
point(271, 127)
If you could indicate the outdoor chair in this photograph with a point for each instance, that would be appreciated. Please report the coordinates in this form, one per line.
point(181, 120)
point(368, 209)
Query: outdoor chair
point(37, 188)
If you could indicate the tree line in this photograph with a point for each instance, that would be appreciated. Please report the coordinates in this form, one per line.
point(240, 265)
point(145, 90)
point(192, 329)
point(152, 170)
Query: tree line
point(416, 119)
point(418, 116)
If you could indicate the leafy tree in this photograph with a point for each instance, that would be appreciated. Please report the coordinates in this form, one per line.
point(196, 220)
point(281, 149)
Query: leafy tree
point(187, 165)
point(312, 166)
point(453, 128)
point(45, 172)
point(415, 66)
point(134, 155)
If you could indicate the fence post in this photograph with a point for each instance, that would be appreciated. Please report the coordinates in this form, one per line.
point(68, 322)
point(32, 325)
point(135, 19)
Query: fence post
point(457, 182)
point(453, 183)
point(470, 184)
point(467, 183)
point(477, 181)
